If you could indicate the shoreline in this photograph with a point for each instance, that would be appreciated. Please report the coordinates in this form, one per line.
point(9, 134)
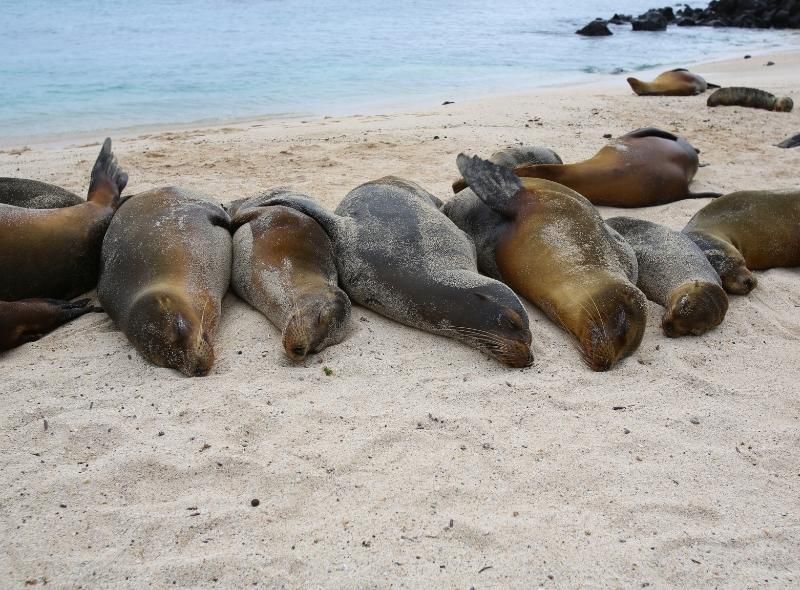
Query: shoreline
point(370, 108)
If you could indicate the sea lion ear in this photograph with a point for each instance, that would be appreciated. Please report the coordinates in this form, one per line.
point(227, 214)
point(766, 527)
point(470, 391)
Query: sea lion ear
point(494, 185)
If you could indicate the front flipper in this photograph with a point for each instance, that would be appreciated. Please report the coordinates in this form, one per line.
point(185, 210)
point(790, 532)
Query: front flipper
point(27, 320)
point(494, 185)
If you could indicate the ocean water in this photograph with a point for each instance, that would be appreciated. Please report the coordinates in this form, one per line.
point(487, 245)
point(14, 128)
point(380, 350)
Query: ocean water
point(80, 65)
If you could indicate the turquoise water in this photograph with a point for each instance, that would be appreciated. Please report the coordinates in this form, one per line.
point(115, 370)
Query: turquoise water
point(79, 65)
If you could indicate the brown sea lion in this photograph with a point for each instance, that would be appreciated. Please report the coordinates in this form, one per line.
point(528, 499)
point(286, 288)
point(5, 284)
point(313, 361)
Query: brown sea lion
point(748, 230)
point(56, 252)
point(283, 265)
point(675, 273)
point(400, 256)
point(679, 82)
point(642, 168)
point(750, 97)
point(556, 251)
point(514, 156)
point(27, 320)
point(33, 194)
point(166, 265)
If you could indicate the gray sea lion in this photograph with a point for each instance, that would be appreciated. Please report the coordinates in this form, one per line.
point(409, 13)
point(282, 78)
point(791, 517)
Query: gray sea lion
point(748, 230)
point(400, 256)
point(33, 194)
point(678, 82)
point(675, 273)
point(790, 142)
point(27, 320)
point(166, 265)
point(750, 97)
point(555, 250)
point(283, 265)
point(513, 156)
point(642, 168)
point(56, 252)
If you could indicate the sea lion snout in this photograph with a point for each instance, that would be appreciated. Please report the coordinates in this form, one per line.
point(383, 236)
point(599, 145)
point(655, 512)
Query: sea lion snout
point(694, 308)
point(739, 281)
point(316, 325)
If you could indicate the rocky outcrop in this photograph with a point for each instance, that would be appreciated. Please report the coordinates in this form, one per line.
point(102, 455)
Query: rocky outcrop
point(596, 28)
point(759, 14)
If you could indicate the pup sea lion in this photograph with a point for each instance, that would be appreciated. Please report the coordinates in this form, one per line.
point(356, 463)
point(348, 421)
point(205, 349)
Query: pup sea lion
point(645, 167)
point(514, 156)
point(556, 251)
point(56, 252)
point(679, 82)
point(283, 265)
point(27, 320)
point(750, 97)
point(675, 273)
point(33, 194)
point(400, 256)
point(748, 230)
point(166, 265)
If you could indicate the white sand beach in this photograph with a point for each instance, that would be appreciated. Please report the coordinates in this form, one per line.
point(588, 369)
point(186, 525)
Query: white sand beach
point(419, 462)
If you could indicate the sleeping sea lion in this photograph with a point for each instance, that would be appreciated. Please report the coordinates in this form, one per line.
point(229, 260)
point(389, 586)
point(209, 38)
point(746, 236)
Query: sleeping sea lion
point(27, 320)
point(675, 273)
point(400, 256)
point(56, 252)
point(33, 194)
point(283, 265)
point(748, 230)
point(679, 82)
point(645, 167)
point(166, 265)
point(554, 249)
point(750, 97)
point(514, 156)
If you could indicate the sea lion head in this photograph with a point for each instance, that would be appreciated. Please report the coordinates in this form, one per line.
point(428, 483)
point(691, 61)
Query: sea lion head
point(694, 308)
point(783, 104)
point(727, 261)
point(612, 322)
point(316, 323)
point(491, 318)
point(170, 333)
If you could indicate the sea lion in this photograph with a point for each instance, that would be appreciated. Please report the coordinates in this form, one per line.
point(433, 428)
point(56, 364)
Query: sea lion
point(56, 252)
point(790, 142)
point(283, 265)
point(33, 194)
point(675, 273)
point(27, 320)
point(750, 97)
point(555, 250)
point(400, 256)
point(642, 168)
point(748, 230)
point(514, 156)
point(166, 265)
point(679, 82)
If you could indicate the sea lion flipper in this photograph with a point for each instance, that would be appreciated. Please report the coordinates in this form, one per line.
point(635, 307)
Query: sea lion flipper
point(704, 195)
point(108, 180)
point(652, 132)
point(495, 185)
point(245, 217)
point(710, 85)
point(306, 205)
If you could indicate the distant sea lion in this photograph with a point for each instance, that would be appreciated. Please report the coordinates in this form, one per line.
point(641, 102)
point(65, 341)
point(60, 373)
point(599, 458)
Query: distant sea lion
point(400, 256)
point(33, 194)
point(555, 250)
point(790, 142)
point(56, 252)
point(642, 168)
point(283, 265)
point(514, 156)
point(748, 230)
point(675, 273)
point(750, 97)
point(29, 319)
point(166, 265)
point(679, 82)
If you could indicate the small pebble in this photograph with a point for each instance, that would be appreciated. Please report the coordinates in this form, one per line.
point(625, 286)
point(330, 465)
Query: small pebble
point(607, 135)
point(255, 502)
point(626, 431)
point(770, 63)
point(694, 420)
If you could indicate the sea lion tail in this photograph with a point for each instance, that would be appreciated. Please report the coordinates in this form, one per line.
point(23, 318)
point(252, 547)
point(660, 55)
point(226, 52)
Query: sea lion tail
point(494, 185)
point(108, 179)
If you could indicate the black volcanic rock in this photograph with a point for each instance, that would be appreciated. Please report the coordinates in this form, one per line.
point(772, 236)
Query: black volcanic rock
point(652, 20)
point(760, 14)
point(596, 28)
point(620, 19)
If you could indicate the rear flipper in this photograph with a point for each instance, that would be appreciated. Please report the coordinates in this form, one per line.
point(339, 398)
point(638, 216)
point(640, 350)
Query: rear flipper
point(108, 179)
point(494, 185)
point(29, 319)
